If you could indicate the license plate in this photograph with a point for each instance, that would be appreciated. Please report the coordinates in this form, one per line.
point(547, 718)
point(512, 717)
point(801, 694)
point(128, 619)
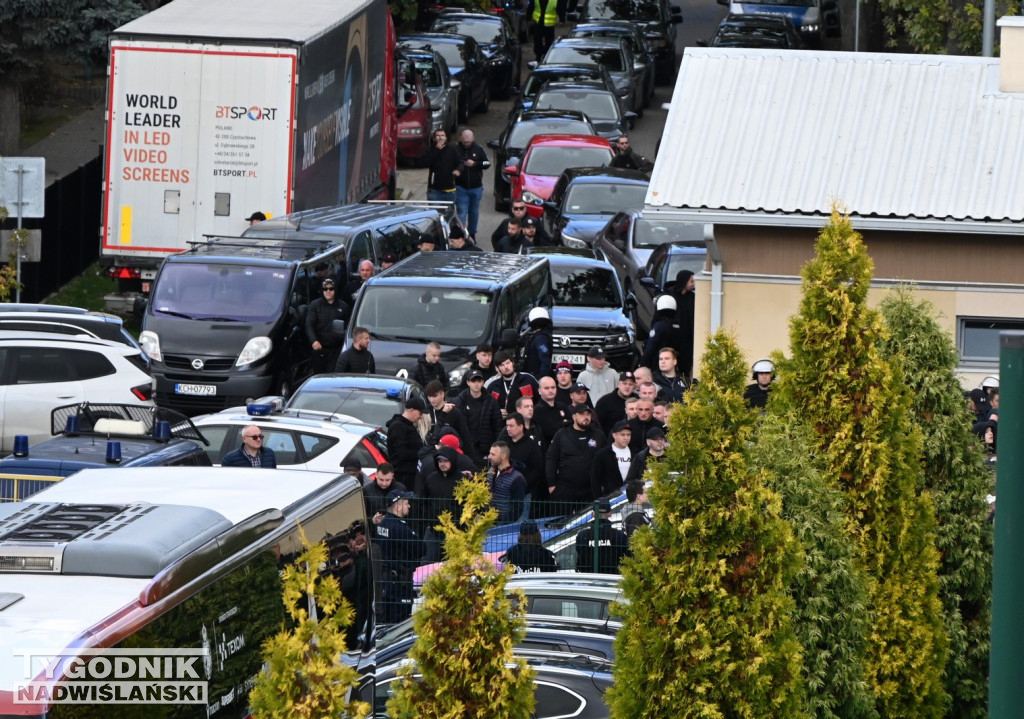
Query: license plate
point(200, 389)
point(571, 359)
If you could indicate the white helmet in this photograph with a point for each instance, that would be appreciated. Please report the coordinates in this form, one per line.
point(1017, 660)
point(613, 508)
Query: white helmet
point(762, 365)
point(538, 313)
point(665, 302)
point(990, 382)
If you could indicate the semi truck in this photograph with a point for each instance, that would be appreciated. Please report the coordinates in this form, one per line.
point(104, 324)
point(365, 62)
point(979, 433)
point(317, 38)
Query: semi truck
point(221, 109)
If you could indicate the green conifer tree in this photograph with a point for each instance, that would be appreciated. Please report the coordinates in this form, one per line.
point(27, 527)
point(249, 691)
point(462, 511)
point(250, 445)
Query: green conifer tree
point(707, 629)
point(958, 480)
point(859, 407)
point(305, 676)
point(463, 666)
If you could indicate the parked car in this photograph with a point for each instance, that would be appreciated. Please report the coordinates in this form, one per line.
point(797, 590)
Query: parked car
point(466, 62)
point(631, 236)
point(629, 31)
point(370, 399)
point(497, 40)
point(548, 156)
point(764, 31)
point(102, 435)
point(593, 75)
point(517, 135)
point(589, 310)
point(656, 18)
point(600, 106)
point(659, 276)
point(442, 89)
point(40, 371)
point(300, 439)
point(61, 319)
point(564, 594)
point(815, 20)
point(414, 114)
point(615, 55)
point(517, 12)
point(584, 198)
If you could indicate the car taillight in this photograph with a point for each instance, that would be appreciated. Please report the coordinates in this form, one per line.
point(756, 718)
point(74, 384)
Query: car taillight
point(143, 391)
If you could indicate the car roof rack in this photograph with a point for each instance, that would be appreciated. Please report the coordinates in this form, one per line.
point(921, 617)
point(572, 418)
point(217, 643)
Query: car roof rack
point(88, 419)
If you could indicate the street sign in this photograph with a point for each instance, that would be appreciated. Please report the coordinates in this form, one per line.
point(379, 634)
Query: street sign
point(31, 171)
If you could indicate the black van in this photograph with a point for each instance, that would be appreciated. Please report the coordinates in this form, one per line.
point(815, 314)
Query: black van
point(457, 299)
point(225, 319)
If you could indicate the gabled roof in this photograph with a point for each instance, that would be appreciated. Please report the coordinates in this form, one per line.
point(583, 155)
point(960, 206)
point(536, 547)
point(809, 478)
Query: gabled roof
point(901, 141)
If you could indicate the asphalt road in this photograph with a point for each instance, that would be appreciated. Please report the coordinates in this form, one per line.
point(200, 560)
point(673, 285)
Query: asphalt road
point(700, 18)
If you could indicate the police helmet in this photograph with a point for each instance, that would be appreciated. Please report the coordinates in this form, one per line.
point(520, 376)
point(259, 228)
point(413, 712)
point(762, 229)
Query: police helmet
point(762, 365)
point(990, 382)
point(538, 316)
point(665, 302)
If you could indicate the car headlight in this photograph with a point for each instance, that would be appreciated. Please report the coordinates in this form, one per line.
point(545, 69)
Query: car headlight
point(810, 29)
point(657, 41)
point(532, 199)
point(455, 376)
point(256, 348)
point(150, 344)
point(574, 242)
point(411, 131)
point(620, 340)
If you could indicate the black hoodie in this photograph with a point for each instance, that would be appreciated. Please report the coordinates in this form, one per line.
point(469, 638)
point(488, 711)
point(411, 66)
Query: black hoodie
point(438, 491)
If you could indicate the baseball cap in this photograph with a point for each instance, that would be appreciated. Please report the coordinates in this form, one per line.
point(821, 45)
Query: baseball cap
point(327, 284)
point(563, 366)
point(396, 495)
point(451, 440)
point(390, 257)
point(655, 433)
point(577, 387)
point(620, 425)
point(529, 222)
point(626, 377)
point(580, 409)
point(596, 353)
point(256, 216)
point(416, 403)
point(474, 374)
point(603, 505)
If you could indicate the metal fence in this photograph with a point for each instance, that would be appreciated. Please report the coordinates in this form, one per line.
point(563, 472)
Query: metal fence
point(16, 487)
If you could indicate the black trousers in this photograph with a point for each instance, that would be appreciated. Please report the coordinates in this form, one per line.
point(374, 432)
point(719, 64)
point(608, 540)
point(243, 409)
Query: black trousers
point(543, 38)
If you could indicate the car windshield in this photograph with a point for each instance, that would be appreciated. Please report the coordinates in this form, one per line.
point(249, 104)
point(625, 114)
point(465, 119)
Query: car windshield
point(625, 34)
point(584, 287)
point(229, 292)
point(602, 199)
point(451, 52)
point(536, 80)
point(609, 57)
point(485, 32)
point(623, 10)
point(553, 161)
point(791, 3)
point(424, 314)
point(595, 105)
point(370, 406)
point(430, 72)
point(523, 132)
point(651, 233)
point(692, 261)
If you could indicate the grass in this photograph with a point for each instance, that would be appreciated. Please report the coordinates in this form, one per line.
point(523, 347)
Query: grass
point(87, 291)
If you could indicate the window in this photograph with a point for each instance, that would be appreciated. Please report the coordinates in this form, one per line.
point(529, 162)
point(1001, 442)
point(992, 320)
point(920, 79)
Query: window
point(36, 366)
point(90, 365)
point(978, 338)
point(316, 444)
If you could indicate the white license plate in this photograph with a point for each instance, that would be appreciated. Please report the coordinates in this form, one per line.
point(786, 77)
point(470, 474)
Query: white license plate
point(571, 359)
point(200, 389)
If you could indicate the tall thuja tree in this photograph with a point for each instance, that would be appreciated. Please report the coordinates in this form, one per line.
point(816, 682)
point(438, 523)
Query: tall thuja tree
point(463, 665)
point(958, 480)
point(707, 631)
point(859, 407)
point(830, 592)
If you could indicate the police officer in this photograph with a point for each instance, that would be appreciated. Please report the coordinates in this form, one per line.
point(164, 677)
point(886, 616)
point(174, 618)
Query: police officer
point(400, 553)
point(538, 342)
point(665, 332)
point(612, 543)
point(756, 394)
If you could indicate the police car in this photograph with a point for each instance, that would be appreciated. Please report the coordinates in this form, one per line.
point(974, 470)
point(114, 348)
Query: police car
point(300, 439)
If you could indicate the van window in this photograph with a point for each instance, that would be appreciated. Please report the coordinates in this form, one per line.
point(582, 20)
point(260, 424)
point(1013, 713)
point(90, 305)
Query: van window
point(424, 314)
point(229, 292)
point(429, 226)
point(529, 293)
point(400, 240)
point(361, 248)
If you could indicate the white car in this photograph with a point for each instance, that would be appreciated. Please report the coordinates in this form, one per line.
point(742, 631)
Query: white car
point(40, 371)
point(301, 439)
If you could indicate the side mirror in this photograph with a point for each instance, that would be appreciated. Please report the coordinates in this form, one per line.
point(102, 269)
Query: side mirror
point(509, 338)
point(630, 303)
point(338, 327)
point(619, 244)
point(702, 43)
point(573, 16)
point(494, 144)
point(139, 306)
point(647, 282)
point(676, 13)
point(512, 168)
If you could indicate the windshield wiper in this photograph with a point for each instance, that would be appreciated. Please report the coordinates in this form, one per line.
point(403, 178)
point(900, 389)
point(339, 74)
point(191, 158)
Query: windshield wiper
point(175, 314)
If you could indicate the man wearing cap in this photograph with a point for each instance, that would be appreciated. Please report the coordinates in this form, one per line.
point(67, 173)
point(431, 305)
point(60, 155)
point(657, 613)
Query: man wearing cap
point(366, 270)
point(400, 552)
point(508, 385)
point(404, 441)
point(323, 338)
point(671, 385)
point(565, 382)
point(611, 544)
point(579, 394)
point(389, 259)
point(612, 407)
point(482, 415)
point(428, 367)
point(438, 439)
point(507, 484)
point(654, 452)
point(357, 359)
point(255, 218)
point(518, 213)
point(444, 413)
point(529, 233)
point(252, 453)
point(599, 378)
point(549, 414)
point(483, 362)
point(529, 555)
point(570, 460)
point(526, 456)
point(457, 242)
point(611, 463)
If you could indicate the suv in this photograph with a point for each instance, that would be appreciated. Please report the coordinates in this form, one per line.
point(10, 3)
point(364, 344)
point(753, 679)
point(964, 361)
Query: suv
point(64, 320)
point(458, 299)
point(815, 20)
point(225, 319)
point(40, 371)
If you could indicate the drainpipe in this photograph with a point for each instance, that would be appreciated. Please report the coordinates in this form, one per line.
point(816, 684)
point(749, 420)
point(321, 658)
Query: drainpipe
point(716, 278)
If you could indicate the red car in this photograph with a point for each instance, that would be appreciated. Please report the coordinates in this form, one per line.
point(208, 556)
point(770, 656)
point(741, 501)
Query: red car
point(548, 156)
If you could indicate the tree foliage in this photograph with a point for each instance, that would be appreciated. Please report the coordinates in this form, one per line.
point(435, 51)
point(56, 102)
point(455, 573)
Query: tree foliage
point(859, 407)
point(8, 272)
point(958, 480)
point(707, 631)
point(937, 26)
point(305, 676)
point(463, 664)
point(830, 592)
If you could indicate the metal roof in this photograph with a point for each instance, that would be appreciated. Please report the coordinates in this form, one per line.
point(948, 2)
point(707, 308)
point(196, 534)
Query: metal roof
point(775, 136)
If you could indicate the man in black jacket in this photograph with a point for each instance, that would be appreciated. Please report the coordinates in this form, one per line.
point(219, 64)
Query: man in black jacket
point(357, 359)
point(526, 456)
point(519, 213)
point(400, 552)
point(508, 385)
point(469, 185)
point(612, 407)
point(320, 316)
point(443, 162)
point(444, 413)
point(611, 544)
point(428, 367)
point(549, 414)
point(641, 424)
point(570, 460)
point(655, 452)
point(483, 361)
point(404, 441)
point(482, 416)
point(611, 463)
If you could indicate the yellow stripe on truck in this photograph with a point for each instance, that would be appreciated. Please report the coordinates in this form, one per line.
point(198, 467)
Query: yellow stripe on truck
point(125, 236)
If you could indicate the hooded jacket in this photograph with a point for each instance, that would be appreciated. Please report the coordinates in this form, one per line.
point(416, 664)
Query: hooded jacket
point(404, 444)
point(438, 491)
point(483, 418)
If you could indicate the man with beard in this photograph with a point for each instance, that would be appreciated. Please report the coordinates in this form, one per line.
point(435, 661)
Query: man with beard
point(550, 414)
point(357, 359)
point(655, 452)
point(508, 385)
point(570, 461)
point(507, 484)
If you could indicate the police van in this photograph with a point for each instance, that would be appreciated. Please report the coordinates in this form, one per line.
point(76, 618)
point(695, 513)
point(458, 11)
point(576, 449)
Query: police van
point(160, 558)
